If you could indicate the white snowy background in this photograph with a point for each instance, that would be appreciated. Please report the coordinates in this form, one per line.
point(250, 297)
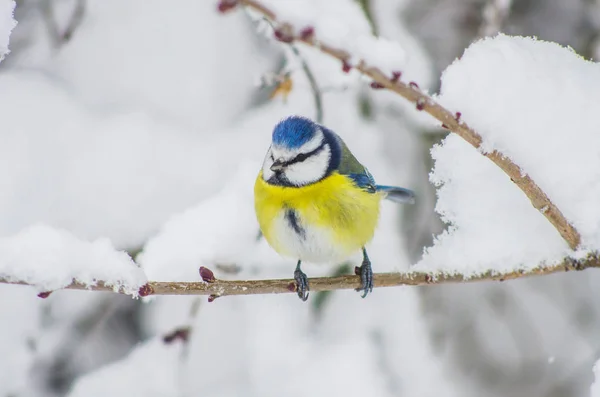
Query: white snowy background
point(134, 130)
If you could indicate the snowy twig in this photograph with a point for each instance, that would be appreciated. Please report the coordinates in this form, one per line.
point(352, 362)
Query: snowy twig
point(410, 91)
point(217, 288)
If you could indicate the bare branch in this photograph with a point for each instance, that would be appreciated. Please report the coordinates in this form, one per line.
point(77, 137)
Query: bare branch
point(218, 288)
point(410, 91)
point(57, 37)
point(75, 20)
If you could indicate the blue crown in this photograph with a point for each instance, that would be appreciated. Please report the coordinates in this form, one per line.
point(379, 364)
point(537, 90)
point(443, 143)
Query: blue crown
point(294, 132)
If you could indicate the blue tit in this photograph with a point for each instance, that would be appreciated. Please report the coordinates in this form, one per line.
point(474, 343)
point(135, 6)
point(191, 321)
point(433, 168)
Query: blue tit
point(316, 202)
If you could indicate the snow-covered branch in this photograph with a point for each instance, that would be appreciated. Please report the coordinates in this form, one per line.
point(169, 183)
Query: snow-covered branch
point(286, 32)
point(215, 288)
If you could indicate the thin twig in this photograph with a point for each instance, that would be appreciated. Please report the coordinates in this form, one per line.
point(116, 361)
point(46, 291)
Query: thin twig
point(449, 120)
point(218, 288)
point(183, 334)
point(313, 85)
point(75, 20)
point(57, 37)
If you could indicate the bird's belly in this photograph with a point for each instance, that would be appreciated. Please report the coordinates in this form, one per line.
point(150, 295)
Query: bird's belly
point(323, 222)
point(293, 236)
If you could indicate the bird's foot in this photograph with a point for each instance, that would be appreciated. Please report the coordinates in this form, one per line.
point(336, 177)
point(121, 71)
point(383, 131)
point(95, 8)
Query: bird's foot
point(301, 284)
point(366, 277)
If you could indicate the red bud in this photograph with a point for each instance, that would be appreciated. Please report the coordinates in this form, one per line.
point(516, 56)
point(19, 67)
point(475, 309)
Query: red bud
point(145, 290)
point(207, 275)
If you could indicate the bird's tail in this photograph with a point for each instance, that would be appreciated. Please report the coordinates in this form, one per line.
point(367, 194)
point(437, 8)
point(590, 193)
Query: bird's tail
point(397, 194)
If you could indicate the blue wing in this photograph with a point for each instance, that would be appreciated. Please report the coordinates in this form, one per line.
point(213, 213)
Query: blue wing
point(348, 165)
point(397, 194)
point(364, 181)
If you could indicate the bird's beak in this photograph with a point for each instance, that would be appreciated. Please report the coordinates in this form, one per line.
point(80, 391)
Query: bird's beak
point(277, 165)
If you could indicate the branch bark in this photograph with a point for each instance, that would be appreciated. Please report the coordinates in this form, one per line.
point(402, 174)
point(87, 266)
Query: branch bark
point(218, 288)
point(424, 102)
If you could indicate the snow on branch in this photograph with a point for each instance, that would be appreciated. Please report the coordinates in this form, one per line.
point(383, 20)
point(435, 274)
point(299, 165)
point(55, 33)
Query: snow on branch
point(7, 24)
point(215, 288)
point(288, 33)
point(52, 259)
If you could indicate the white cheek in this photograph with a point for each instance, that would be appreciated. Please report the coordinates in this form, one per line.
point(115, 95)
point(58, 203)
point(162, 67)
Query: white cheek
point(310, 170)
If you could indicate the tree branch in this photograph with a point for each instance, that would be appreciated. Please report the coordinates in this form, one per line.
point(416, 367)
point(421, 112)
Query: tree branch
point(287, 33)
point(217, 288)
point(313, 85)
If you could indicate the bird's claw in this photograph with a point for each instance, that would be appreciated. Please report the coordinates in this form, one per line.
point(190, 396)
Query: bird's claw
point(301, 284)
point(366, 278)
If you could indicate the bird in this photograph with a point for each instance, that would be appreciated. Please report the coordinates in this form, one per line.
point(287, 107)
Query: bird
point(315, 202)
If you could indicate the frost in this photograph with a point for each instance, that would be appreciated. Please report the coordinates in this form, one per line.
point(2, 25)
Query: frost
point(7, 23)
point(51, 259)
point(535, 102)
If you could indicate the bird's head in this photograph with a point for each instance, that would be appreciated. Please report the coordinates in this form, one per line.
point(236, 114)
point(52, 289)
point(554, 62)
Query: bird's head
point(300, 153)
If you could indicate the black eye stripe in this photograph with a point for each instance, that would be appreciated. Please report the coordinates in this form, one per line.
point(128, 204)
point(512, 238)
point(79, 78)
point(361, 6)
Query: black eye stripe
point(303, 156)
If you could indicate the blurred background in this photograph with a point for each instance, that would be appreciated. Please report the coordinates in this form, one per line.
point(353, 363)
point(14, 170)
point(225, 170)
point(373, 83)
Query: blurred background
point(146, 121)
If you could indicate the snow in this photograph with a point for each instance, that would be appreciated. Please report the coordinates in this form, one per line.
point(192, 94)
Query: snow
point(341, 24)
point(534, 102)
point(20, 326)
point(149, 370)
point(157, 49)
point(143, 130)
point(7, 23)
point(51, 259)
point(221, 229)
point(267, 343)
point(132, 169)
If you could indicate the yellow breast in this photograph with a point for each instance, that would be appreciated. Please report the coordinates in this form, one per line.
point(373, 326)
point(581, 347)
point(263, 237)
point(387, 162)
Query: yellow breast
point(337, 217)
